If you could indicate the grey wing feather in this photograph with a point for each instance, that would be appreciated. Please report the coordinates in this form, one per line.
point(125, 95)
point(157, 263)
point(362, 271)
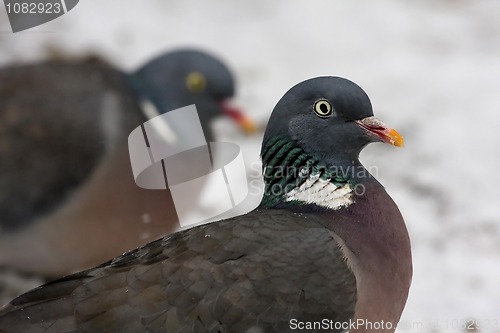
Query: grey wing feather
point(252, 273)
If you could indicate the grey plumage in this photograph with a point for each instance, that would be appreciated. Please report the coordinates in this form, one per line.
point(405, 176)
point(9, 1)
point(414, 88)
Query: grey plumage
point(34, 181)
point(228, 276)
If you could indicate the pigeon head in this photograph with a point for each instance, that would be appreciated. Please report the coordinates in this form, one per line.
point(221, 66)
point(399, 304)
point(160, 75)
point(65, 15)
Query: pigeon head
point(184, 77)
point(328, 116)
point(317, 130)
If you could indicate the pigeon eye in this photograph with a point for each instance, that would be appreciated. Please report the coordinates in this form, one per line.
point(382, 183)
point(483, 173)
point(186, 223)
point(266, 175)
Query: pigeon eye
point(196, 82)
point(323, 108)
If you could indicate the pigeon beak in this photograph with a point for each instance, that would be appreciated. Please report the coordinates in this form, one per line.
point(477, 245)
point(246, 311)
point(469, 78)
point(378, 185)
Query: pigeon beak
point(381, 131)
point(246, 124)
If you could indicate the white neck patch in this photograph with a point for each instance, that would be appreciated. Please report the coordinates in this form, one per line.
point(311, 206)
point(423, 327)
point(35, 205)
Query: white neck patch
point(150, 111)
point(322, 192)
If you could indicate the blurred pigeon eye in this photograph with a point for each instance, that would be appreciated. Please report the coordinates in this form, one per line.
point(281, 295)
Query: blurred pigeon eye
point(196, 82)
point(323, 108)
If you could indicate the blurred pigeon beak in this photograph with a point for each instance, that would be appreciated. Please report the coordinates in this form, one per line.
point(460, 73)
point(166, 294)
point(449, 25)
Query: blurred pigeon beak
point(246, 124)
point(381, 130)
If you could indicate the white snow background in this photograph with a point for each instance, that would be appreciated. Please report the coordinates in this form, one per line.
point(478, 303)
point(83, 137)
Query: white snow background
point(431, 69)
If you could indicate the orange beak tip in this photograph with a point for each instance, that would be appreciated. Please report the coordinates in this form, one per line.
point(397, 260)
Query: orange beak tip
point(248, 126)
point(245, 123)
point(395, 138)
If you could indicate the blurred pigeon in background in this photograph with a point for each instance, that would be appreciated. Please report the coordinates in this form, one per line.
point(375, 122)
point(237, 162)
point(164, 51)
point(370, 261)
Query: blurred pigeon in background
point(68, 200)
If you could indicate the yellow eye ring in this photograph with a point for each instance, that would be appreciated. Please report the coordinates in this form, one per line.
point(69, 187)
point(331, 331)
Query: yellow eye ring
point(196, 82)
point(323, 108)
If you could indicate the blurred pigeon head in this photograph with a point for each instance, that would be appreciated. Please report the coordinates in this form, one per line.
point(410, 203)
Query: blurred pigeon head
point(186, 77)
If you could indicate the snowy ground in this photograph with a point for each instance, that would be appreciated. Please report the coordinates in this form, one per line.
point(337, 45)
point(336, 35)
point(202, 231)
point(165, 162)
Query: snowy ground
point(431, 68)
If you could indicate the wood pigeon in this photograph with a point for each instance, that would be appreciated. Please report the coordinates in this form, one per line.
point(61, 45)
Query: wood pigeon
point(327, 249)
point(68, 200)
